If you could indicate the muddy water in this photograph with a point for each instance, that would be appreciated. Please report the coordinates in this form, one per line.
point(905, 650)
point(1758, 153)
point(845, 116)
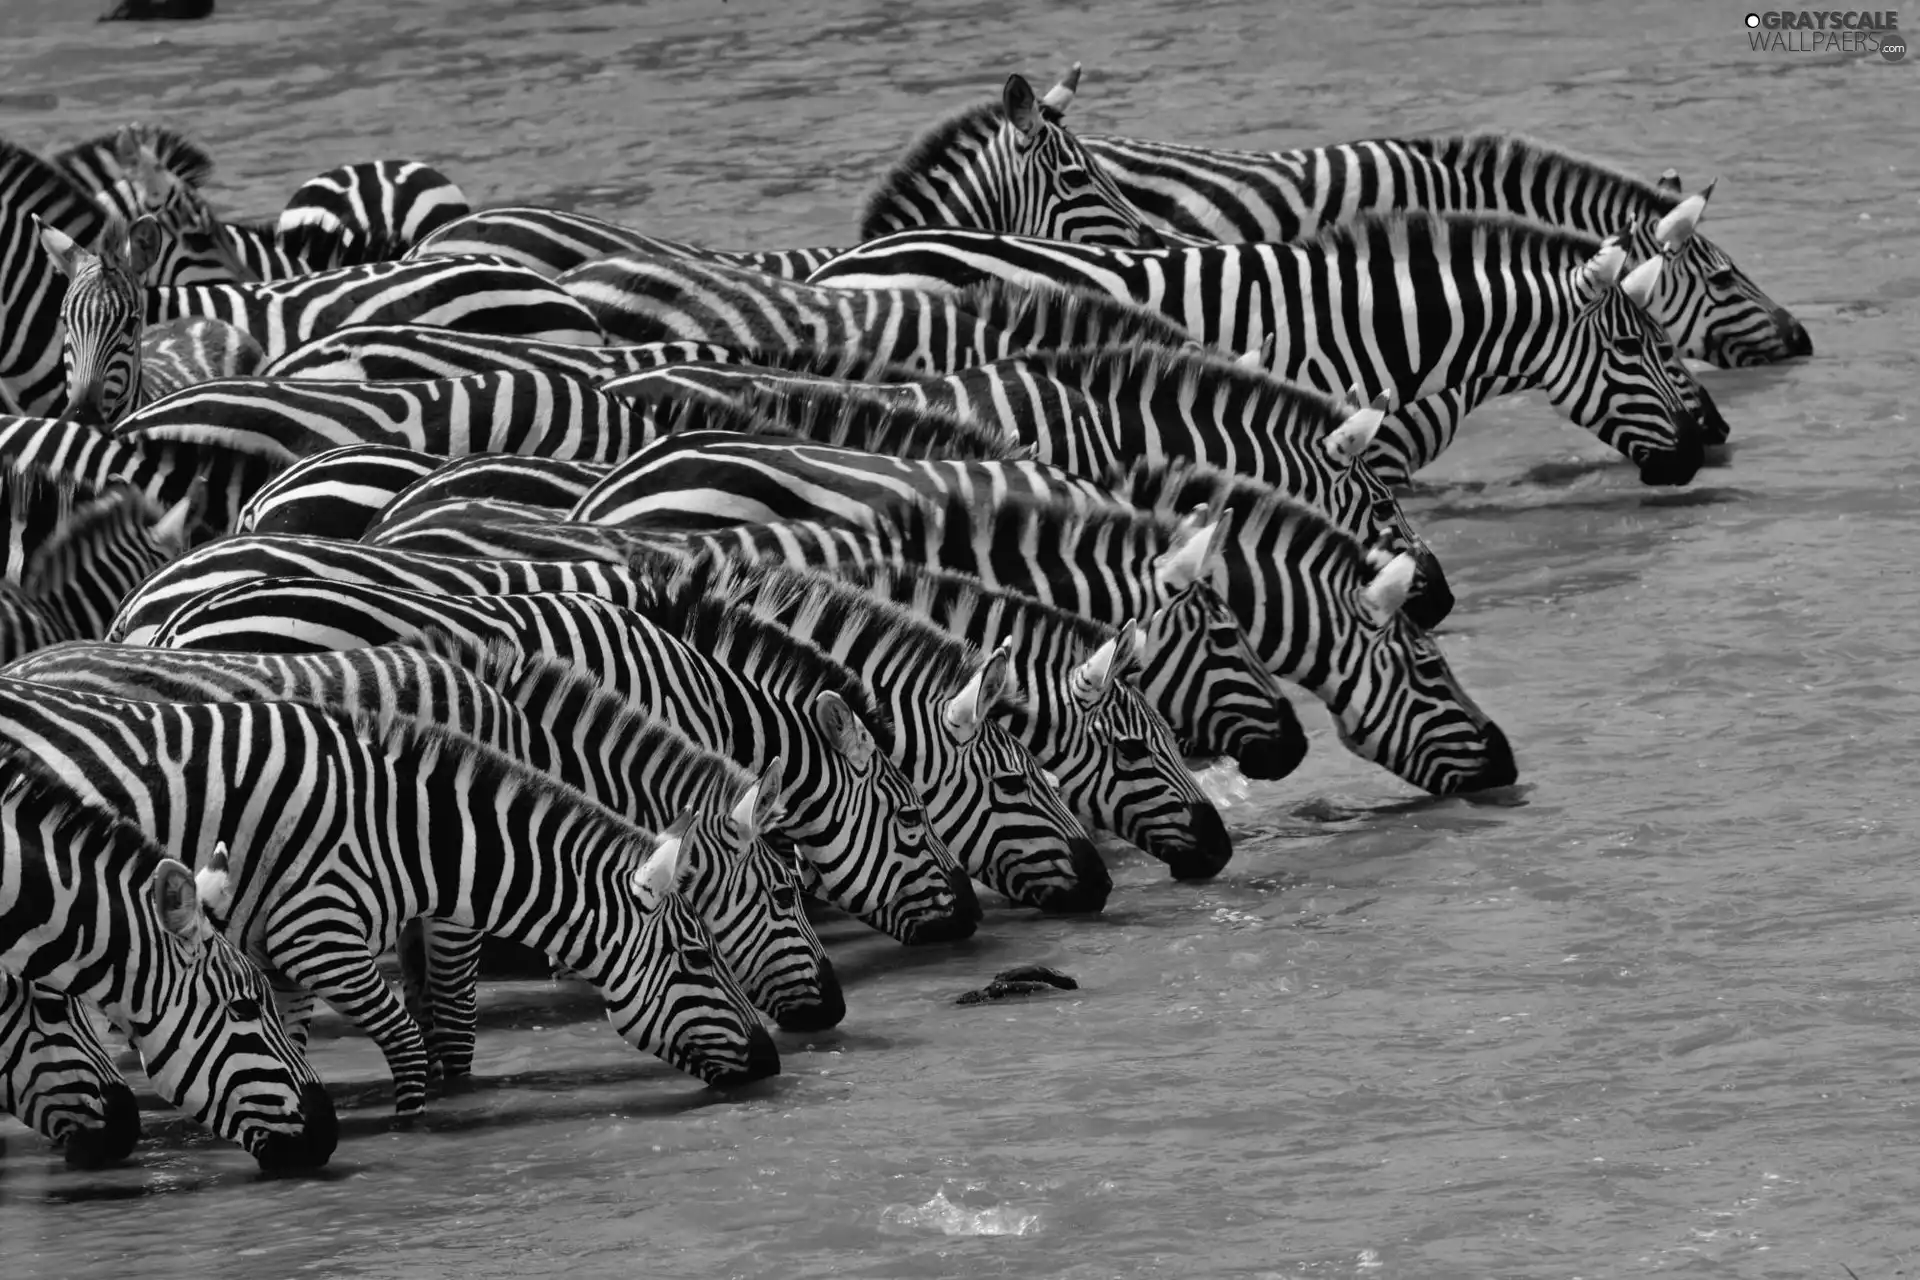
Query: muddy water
point(1656, 1018)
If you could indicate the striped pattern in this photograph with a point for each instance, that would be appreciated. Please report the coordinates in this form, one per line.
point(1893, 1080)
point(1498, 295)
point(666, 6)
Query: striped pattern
point(551, 241)
point(550, 484)
point(1709, 306)
point(858, 821)
point(407, 352)
point(1410, 304)
point(165, 473)
point(456, 293)
point(90, 907)
point(59, 1080)
point(143, 171)
point(309, 804)
point(335, 493)
point(561, 723)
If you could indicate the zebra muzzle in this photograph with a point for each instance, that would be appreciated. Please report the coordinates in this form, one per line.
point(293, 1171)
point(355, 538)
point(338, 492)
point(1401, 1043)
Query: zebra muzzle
point(1210, 851)
point(113, 1139)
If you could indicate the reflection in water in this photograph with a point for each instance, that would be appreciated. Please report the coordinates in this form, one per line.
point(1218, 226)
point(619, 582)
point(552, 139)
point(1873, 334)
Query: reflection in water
point(1648, 1012)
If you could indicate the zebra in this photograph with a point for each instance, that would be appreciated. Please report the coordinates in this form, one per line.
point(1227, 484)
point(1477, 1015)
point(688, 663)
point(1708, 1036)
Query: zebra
point(987, 799)
point(999, 166)
point(72, 876)
point(1481, 296)
point(338, 828)
point(531, 411)
point(1314, 607)
point(335, 493)
point(1710, 307)
point(114, 361)
point(78, 577)
point(165, 473)
point(1089, 411)
point(639, 299)
point(1114, 756)
point(145, 611)
point(850, 811)
point(561, 722)
point(58, 1078)
point(457, 293)
point(394, 203)
point(550, 484)
point(416, 352)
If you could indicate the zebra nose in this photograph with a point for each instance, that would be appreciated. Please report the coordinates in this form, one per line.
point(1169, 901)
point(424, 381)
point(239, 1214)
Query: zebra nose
point(1499, 769)
point(763, 1060)
point(1431, 599)
point(1212, 846)
point(825, 1011)
point(1091, 883)
point(112, 1141)
point(1271, 757)
point(1793, 334)
point(1679, 464)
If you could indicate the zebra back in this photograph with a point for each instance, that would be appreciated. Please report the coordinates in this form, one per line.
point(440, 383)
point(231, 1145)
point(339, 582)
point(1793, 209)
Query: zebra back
point(551, 241)
point(335, 493)
point(404, 352)
point(390, 203)
point(544, 484)
point(147, 611)
point(102, 553)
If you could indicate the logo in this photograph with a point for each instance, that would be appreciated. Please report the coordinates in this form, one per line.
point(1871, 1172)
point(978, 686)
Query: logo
point(1857, 31)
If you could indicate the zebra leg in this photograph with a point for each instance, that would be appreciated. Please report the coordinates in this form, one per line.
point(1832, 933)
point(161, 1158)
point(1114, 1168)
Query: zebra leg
point(451, 963)
point(339, 969)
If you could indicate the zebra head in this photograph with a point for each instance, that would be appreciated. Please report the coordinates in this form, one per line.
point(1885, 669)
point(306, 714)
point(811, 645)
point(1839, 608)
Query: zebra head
point(103, 314)
point(57, 1077)
point(1012, 168)
point(1019, 835)
point(1133, 779)
point(669, 992)
point(208, 1034)
point(1711, 308)
point(1613, 371)
point(749, 889)
point(192, 248)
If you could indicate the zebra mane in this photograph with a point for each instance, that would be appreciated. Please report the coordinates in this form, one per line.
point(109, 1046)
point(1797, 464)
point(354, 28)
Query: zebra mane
point(958, 595)
point(526, 677)
point(1363, 232)
point(1066, 316)
point(26, 179)
point(393, 732)
point(1020, 519)
point(1485, 151)
point(69, 820)
point(1172, 487)
point(851, 363)
point(843, 416)
point(1197, 369)
point(939, 142)
point(781, 662)
point(184, 158)
point(912, 643)
point(120, 509)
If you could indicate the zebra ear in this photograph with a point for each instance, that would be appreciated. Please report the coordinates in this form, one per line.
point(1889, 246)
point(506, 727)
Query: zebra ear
point(1191, 559)
point(659, 875)
point(1349, 441)
point(1678, 226)
point(59, 244)
point(1389, 588)
point(177, 899)
point(1132, 646)
point(1092, 678)
point(171, 529)
point(1060, 97)
point(143, 244)
point(1639, 282)
point(213, 881)
point(1669, 181)
point(843, 729)
point(1258, 358)
point(966, 709)
point(759, 804)
point(1596, 275)
point(1022, 108)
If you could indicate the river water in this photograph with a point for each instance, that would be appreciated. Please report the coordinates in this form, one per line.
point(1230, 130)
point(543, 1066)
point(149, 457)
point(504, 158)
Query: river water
point(1658, 1017)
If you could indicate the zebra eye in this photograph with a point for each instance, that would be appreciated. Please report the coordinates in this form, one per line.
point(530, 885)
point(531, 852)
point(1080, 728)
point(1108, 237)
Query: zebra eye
point(697, 958)
point(1723, 278)
point(1224, 636)
point(913, 827)
point(243, 1009)
point(784, 897)
point(1009, 788)
point(1131, 749)
point(1627, 346)
point(1074, 178)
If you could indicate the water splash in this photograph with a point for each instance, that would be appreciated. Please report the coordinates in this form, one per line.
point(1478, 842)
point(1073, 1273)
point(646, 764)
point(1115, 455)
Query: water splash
point(1223, 783)
point(953, 1219)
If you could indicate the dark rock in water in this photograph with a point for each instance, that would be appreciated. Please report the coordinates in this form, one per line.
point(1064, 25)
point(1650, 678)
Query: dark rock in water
point(157, 10)
point(1021, 980)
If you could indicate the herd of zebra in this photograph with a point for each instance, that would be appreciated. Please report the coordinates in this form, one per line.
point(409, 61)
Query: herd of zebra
point(393, 573)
